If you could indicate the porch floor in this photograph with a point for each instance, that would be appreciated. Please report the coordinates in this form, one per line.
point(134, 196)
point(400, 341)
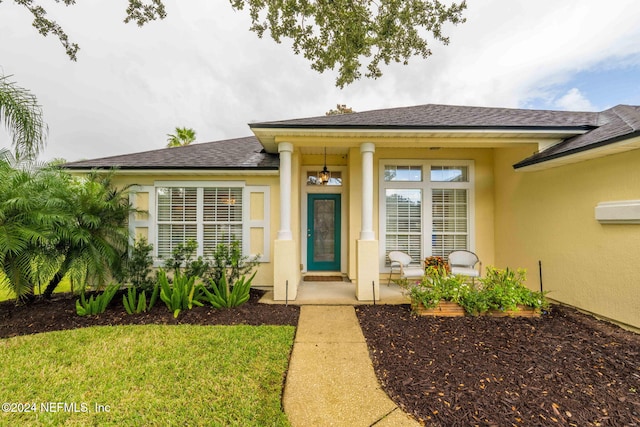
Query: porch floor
point(338, 293)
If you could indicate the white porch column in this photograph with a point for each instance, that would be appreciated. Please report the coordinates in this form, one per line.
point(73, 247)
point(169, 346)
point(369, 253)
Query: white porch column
point(285, 149)
point(367, 257)
point(286, 274)
point(366, 231)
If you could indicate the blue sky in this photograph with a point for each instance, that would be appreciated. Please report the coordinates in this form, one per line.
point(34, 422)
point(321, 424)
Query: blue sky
point(201, 68)
point(600, 87)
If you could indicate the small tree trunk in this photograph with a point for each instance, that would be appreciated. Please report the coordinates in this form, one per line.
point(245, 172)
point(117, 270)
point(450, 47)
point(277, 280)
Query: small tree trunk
point(53, 284)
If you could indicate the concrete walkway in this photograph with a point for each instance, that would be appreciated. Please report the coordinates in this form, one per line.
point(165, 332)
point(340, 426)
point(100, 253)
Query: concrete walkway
point(331, 381)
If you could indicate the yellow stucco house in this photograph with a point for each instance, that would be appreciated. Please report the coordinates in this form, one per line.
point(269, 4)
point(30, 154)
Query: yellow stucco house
point(555, 192)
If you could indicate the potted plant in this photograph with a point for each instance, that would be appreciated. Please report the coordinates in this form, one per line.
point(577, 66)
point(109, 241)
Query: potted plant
point(436, 265)
point(439, 294)
point(501, 293)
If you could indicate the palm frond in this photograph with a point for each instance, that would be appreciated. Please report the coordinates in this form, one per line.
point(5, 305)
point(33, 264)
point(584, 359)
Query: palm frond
point(22, 116)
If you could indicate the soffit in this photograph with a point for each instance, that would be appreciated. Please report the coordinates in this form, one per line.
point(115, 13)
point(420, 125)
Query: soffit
point(306, 139)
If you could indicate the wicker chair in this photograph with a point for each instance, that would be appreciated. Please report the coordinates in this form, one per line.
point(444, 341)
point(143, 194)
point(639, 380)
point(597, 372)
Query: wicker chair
point(464, 263)
point(400, 261)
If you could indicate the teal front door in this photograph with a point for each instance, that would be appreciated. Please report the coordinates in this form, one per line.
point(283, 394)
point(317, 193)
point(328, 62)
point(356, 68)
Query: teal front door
point(323, 232)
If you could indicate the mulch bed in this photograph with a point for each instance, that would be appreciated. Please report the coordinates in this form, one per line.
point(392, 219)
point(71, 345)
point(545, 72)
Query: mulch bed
point(60, 314)
point(565, 368)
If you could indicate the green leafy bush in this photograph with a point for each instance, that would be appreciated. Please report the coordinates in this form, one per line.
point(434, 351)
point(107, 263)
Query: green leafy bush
point(225, 260)
point(499, 290)
point(439, 287)
point(183, 294)
point(224, 296)
point(138, 267)
point(183, 259)
point(505, 290)
point(135, 302)
point(96, 304)
point(228, 261)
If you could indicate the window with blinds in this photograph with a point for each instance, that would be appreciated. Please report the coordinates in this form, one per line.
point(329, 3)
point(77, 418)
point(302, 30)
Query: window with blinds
point(207, 215)
point(222, 217)
point(450, 215)
point(404, 222)
point(444, 225)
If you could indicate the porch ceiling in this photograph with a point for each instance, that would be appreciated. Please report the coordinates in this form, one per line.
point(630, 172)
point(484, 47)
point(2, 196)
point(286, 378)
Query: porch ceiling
point(338, 141)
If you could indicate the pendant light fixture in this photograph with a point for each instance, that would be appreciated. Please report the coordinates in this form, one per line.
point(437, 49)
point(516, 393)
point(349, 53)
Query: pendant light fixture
point(325, 174)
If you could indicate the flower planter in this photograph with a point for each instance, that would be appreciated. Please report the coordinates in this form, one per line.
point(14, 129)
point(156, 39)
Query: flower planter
point(522, 311)
point(452, 309)
point(443, 309)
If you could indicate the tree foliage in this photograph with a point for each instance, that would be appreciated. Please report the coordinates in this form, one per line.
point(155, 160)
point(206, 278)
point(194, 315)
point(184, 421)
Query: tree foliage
point(22, 116)
point(340, 109)
point(331, 34)
point(181, 137)
point(54, 225)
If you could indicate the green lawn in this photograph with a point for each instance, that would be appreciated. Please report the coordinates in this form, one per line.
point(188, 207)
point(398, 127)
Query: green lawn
point(5, 293)
point(149, 375)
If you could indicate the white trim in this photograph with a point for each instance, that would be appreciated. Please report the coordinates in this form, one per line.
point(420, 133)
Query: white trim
point(588, 154)
point(366, 228)
point(199, 184)
point(247, 224)
point(495, 136)
point(321, 189)
point(209, 172)
point(265, 223)
point(618, 212)
point(286, 150)
point(150, 222)
point(426, 185)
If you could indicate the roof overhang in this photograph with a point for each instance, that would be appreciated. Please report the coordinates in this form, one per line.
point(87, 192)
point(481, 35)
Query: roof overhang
point(606, 148)
point(156, 172)
point(269, 137)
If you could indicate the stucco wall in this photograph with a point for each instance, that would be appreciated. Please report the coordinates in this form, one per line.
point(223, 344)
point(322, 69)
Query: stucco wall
point(548, 216)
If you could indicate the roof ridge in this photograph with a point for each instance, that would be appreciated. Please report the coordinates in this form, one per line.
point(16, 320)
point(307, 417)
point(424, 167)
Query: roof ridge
point(628, 114)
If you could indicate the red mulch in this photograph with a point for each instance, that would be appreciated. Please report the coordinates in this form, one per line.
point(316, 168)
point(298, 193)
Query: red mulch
point(563, 369)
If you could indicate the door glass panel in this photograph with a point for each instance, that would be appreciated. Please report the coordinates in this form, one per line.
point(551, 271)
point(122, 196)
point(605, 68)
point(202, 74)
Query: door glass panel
point(324, 230)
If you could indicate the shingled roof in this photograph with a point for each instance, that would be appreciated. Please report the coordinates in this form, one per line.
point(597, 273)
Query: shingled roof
point(434, 116)
point(616, 124)
point(586, 130)
point(230, 154)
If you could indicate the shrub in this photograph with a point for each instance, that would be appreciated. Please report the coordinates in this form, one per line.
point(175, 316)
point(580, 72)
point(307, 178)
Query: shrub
point(182, 295)
point(183, 259)
point(138, 267)
point(226, 260)
point(439, 287)
point(500, 290)
point(505, 290)
point(96, 304)
point(222, 296)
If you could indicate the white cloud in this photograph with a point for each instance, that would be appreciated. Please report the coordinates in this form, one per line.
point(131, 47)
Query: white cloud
point(574, 100)
point(202, 68)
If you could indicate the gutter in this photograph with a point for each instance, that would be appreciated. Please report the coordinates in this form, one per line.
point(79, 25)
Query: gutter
point(540, 160)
